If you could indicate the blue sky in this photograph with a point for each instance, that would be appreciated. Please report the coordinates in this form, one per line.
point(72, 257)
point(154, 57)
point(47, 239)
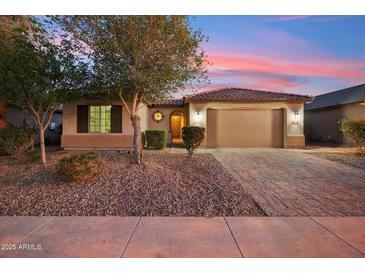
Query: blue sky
point(301, 54)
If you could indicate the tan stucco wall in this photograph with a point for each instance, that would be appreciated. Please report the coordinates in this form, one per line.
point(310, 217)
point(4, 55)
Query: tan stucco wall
point(293, 135)
point(70, 117)
point(354, 111)
point(165, 123)
point(322, 125)
point(143, 113)
point(72, 139)
point(97, 140)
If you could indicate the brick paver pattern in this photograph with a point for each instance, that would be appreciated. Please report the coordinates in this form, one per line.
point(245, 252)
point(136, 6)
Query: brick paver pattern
point(294, 183)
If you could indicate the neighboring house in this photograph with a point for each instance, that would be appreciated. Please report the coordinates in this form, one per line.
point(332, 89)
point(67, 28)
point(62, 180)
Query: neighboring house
point(323, 116)
point(14, 116)
point(233, 117)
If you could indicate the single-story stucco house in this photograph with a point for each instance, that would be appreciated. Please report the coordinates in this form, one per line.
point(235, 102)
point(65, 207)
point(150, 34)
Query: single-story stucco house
point(323, 116)
point(12, 115)
point(233, 117)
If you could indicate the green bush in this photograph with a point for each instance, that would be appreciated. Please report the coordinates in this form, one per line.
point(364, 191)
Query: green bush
point(16, 141)
point(192, 137)
point(355, 130)
point(156, 139)
point(78, 167)
point(33, 155)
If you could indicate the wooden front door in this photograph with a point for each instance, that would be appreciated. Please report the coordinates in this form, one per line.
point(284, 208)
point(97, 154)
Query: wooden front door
point(177, 122)
point(176, 126)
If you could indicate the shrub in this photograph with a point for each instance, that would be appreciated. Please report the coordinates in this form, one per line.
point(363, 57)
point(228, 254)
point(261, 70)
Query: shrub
point(16, 141)
point(355, 130)
point(33, 155)
point(78, 167)
point(192, 137)
point(156, 139)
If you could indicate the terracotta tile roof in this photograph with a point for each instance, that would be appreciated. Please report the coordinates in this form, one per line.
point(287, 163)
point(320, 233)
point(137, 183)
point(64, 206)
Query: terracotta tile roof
point(169, 103)
point(241, 94)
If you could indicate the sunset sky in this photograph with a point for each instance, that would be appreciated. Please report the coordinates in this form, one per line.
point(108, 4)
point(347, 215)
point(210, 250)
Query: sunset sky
point(300, 54)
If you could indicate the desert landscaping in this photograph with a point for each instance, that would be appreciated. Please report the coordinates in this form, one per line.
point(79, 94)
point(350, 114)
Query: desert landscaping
point(166, 184)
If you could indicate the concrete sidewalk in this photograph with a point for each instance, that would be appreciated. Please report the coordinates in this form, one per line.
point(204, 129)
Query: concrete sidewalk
point(182, 237)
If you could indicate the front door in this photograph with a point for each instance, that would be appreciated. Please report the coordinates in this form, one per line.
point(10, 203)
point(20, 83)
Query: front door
point(177, 122)
point(176, 126)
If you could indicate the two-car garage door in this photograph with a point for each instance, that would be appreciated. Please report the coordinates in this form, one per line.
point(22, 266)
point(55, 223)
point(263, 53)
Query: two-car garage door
point(245, 128)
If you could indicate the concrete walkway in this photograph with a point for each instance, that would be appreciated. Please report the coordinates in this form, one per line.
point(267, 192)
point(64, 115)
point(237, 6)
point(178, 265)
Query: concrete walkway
point(182, 237)
point(294, 183)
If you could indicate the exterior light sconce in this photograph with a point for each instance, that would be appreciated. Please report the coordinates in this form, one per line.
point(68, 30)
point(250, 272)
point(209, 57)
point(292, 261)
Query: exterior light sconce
point(198, 117)
point(296, 118)
point(158, 116)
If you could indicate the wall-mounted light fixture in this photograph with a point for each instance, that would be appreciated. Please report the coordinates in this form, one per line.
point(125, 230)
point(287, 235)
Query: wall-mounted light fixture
point(197, 117)
point(296, 117)
point(157, 116)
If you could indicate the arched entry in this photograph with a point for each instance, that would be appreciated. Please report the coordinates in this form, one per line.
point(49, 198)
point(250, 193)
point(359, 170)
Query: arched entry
point(177, 122)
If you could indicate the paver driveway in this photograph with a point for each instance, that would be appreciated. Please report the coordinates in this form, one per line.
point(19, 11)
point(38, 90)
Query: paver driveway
point(294, 183)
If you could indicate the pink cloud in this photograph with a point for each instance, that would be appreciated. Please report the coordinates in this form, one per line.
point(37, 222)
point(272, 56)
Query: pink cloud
point(257, 79)
point(276, 55)
point(317, 18)
point(274, 44)
point(290, 17)
point(276, 84)
point(316, 67)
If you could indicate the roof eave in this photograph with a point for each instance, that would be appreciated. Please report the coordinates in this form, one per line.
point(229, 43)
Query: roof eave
point(335, 105)
point(304, 100)
point(165, 106)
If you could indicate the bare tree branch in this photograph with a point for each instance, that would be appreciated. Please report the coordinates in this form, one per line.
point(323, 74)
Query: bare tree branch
point(124, 103)
point(50, 115)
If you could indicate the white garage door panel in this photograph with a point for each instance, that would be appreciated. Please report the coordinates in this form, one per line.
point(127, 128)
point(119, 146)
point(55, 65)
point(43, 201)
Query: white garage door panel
point(245, 128)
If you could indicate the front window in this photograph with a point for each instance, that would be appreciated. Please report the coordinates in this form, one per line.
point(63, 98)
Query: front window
point(100, 119)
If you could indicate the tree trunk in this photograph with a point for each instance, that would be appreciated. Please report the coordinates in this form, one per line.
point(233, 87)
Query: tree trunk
point(137, 153)
point(42, 145)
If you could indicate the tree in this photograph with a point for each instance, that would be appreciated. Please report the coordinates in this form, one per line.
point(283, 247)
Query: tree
point(8, 23)
point(140, 59)
point(39, 70)
point(355, 130)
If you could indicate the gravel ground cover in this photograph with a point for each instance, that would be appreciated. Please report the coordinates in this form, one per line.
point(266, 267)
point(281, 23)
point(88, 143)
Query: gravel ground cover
point(350, 159)
point(166, 184)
